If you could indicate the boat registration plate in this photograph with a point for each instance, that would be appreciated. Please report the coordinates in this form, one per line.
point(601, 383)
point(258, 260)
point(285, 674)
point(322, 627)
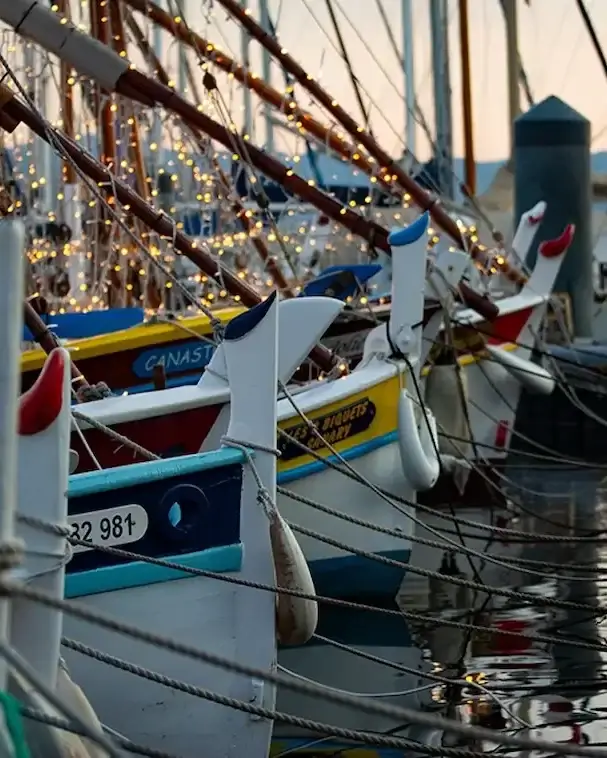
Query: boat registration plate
point(109, 527)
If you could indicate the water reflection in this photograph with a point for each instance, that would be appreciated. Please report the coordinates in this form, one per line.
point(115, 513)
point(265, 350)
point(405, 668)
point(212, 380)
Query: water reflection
point(547, 690)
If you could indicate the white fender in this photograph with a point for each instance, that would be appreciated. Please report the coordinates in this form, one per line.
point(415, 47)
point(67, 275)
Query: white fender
point(448, 399)
point(534, 378)
point(418, 443)
point(45, 741)
point(302, 322)
point(71, 694)
point(296, 617)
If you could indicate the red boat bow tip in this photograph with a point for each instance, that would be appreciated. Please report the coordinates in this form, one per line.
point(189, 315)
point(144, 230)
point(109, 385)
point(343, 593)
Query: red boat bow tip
point(42, 403)
point(554, 248)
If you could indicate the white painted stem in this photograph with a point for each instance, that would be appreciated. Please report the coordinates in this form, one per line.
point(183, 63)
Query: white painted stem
point(12, 234)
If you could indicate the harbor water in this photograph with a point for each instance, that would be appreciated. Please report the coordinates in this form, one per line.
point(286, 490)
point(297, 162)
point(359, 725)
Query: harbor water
point(524, 668)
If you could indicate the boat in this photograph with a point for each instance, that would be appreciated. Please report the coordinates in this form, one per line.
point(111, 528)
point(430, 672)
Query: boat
point(203, 512)
point(40, 434)
point(356, 420)
point(183, 345)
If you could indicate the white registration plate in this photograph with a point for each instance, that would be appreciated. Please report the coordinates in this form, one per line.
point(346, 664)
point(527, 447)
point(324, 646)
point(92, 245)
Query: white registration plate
point(111, 526)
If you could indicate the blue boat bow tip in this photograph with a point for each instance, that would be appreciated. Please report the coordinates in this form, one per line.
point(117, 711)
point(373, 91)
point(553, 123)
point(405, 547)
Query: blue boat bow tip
point(243, 324)
point(411, 233)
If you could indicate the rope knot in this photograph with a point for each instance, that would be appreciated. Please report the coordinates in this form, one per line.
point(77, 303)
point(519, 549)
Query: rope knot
point(11, 553)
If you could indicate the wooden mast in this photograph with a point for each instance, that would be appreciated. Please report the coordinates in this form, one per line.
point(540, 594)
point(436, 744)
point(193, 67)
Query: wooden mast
point(67, 102)
point(14, 112)
point(303, 120)
point(389, 169)
point(137, 86)
point(238, 208)
point(381, 166)
point(470, 163)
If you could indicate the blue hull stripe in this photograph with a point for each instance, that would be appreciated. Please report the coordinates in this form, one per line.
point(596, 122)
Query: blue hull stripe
point(227, 558)
point(330, 748)
point(94, 482)
point(356, 451)
point(353, 575)
point(343, 576)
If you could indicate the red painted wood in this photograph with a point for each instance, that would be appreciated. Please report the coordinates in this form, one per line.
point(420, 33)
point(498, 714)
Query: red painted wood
point(168, 436)
point(41, 404)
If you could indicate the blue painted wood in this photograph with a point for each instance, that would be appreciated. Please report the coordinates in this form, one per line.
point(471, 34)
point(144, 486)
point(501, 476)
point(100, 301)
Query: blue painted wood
point(220, 560)
point(203, 490)
point(92, 324)
point(174, 358)
point(243, 324)
point(411, 233)
point(340, 281)
point(93, 482)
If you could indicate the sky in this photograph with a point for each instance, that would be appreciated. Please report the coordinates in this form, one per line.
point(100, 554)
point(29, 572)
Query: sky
point(553, 43)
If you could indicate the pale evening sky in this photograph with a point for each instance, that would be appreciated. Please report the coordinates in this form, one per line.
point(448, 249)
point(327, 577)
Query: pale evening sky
point(553, 42)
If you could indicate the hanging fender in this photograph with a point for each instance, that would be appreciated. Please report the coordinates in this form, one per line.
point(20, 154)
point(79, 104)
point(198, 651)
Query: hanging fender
point(418, 444)
point(534, 378)
point(296, 617)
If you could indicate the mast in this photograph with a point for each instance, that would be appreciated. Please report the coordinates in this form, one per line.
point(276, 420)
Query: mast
point(596, 43)
point(408, 69)
point(245, 52)
point(157, 156)
point(240, 212)
point(15, 112)
point(182, 71)
point(512, 57)
point(470, 177)
point(442, 96)
point(346, 59)
point(43, 158)
point(390, 173)
point(266, 72)
point(101, 30)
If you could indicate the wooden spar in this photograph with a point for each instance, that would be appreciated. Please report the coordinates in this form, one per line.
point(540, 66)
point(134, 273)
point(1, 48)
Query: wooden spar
point(48, 341)
point(67, 102)
point(237, 207)
point(464, 34)
point(138, 86)
point(100, 27)
point(303, 120)
point(15, 111)
point(389, 169)
point(143, 89)
point(119, 44)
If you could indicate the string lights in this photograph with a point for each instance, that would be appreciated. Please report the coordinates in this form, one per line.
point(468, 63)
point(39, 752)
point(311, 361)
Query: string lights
point(99, 266)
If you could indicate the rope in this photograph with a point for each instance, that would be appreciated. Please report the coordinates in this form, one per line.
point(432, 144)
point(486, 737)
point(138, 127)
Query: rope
point(239, 705)
point(115, 436)
point(128, 555)
point(506, 562)
point(395, 499)
point(93, 616)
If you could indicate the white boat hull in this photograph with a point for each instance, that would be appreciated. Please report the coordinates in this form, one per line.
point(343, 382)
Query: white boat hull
point(342, 573)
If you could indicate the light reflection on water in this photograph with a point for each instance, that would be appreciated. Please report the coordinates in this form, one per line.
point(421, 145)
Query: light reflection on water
point(545, 690)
